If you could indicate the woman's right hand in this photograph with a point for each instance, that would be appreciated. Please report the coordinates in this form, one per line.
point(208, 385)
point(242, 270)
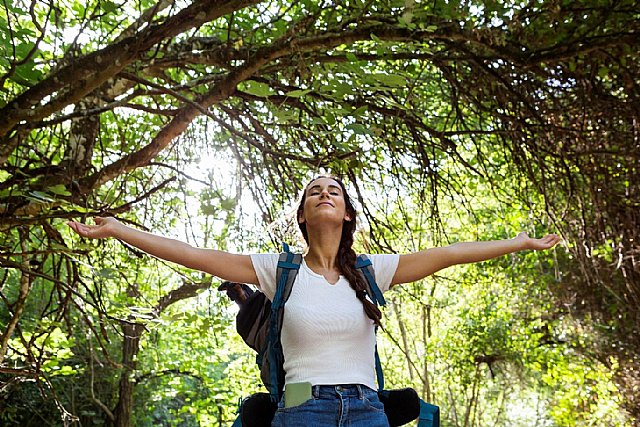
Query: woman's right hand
point(104, 227)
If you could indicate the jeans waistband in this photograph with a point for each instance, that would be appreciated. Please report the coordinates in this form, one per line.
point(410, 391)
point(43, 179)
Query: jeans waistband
point(344, 390)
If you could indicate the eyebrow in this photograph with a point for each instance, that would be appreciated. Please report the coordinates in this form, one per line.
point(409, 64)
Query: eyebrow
point(319, 186)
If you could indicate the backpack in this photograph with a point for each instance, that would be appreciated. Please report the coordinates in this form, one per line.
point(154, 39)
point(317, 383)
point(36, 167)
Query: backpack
point(259, 323)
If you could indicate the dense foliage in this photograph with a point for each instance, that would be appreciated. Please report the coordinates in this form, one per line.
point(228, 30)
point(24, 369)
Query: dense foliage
point(451, 120)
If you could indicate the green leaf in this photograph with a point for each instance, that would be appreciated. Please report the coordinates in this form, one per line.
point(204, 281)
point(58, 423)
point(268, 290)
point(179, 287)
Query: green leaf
point(59, 190)
point(298, 93)
point(330, 118)
point(209, 210)
point(228, 204)
point(358, 112)
point(390, 80)
point(341, 89)
point(23, 49)
point(27, 74)
point(67, 370)
point(285, 116)
point(80, 246)
point(108, 273)
point(39, 196)
point(358, 129)
point(109, 6)
point(256, 88)
point(407, 18)
point(603, 72)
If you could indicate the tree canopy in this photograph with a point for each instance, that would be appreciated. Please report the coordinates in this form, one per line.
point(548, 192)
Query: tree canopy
point(449, 120)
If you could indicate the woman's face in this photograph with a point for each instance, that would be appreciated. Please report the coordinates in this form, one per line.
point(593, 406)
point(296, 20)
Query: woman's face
point(324, 201)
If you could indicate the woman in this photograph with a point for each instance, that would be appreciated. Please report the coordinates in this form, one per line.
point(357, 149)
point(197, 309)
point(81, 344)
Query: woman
point(327, 337)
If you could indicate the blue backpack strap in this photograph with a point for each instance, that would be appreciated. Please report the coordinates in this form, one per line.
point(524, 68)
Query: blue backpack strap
point(365, 266)
point(429, 415)
point(288, 266)
point(379, 373)
point(237, 422)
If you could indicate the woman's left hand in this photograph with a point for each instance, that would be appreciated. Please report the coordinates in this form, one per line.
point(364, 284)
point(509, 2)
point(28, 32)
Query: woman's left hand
point(546, 242)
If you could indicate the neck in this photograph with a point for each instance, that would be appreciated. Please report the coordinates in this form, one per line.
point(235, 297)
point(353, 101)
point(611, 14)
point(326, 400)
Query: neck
point(323, 247)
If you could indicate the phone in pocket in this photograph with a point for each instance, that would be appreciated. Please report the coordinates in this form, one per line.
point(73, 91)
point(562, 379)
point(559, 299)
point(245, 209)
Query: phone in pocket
point(296, 394)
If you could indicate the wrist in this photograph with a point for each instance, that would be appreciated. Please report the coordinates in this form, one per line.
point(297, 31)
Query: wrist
point(119, 230)
point(520, 243)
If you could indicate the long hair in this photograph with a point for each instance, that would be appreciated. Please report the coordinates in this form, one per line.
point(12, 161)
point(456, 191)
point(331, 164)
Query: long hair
point(346, 257)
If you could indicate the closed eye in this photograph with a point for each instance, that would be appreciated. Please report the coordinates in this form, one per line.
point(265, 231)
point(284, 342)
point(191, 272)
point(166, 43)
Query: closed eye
point(332, 189)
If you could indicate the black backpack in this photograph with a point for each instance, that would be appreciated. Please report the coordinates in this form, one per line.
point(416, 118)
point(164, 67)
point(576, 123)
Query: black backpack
point(259, 323)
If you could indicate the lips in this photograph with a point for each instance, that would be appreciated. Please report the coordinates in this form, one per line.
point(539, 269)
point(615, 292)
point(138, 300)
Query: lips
point(324, 203)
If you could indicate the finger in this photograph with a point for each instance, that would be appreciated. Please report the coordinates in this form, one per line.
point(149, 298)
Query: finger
point(85, 230)
point(80, 229)
point(551, 239)
point(74, 226)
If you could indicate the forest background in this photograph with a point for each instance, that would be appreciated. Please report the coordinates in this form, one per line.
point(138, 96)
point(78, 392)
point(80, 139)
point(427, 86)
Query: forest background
point(449, 120)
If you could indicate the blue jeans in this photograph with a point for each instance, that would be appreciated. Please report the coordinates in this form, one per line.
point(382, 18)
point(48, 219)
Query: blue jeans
point(334, 406)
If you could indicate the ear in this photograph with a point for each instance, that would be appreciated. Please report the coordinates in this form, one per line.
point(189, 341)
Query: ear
point(301, 219)
point(347, 217)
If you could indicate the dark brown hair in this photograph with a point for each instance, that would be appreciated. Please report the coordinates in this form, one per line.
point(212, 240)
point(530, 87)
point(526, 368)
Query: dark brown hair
point(346, 257)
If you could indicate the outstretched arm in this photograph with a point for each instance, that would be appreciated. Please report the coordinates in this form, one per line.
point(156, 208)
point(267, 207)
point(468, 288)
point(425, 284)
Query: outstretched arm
point(418, 265)
point(227, 266)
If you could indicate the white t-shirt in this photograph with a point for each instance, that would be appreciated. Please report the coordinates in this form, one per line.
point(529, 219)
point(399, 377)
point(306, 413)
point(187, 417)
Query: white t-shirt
point(326, 336)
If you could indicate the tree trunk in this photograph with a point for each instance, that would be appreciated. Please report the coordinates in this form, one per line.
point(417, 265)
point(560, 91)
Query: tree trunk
point(130, 346)
point(18, 306)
